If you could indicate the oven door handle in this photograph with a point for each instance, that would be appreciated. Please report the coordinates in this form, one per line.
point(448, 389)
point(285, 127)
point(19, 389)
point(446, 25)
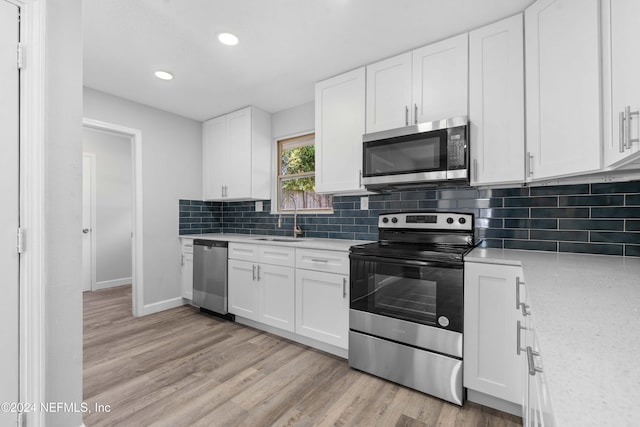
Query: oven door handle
point(410, 262)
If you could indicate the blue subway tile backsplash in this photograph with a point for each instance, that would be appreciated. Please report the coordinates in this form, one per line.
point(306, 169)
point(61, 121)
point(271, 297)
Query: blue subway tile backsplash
point(584, 218)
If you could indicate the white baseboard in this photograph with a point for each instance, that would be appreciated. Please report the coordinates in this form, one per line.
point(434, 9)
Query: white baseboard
point(113, 283)
point(159, 306)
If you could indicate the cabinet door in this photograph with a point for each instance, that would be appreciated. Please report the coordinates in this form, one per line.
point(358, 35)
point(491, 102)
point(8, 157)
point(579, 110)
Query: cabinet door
point(214, 157)
point(243, 289)
point(492, 364)
point(187, 276)
point(322, 307)
point(440, 80)
point(276, 300)
point(238, 174)
point(340, 118)
point(496, 102)
point(563, 87)
point(389, 93)
point(621, 82)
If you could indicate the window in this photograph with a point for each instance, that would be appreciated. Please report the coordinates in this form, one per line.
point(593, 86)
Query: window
point(297, 176)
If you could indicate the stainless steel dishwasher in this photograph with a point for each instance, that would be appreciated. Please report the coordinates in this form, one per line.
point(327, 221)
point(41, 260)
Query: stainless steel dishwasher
point(210, 276)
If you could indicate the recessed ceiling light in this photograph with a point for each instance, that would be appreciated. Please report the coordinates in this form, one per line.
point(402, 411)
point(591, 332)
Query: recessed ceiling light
point(228, 39)
point(164, 75)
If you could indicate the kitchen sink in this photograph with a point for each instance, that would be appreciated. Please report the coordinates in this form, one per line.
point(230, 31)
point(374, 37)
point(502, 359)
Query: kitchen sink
point(280, 239)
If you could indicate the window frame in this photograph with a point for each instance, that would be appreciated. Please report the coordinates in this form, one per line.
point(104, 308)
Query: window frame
point(280, 142)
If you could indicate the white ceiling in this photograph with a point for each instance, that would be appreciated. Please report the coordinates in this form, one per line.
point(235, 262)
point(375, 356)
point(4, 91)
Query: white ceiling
point(285, 45)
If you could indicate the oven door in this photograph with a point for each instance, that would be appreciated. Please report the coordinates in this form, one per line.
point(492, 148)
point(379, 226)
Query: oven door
point(423, 292)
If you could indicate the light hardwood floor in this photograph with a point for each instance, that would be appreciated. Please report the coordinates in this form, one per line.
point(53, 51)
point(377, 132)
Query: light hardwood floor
point(182, 368)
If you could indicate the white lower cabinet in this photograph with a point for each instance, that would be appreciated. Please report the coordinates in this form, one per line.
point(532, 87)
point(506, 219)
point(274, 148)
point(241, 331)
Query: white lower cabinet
point(243, 289)
point(492, 365)
point(186, 269)
point(322, 306)
point(536, 402)
point(276, 301)
point(302, 291)
point(262, 291)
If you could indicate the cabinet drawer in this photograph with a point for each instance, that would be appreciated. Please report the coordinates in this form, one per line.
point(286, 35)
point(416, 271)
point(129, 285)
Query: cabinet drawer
point(329, 261)
point(277, 255)
point(187, 246)
point(243, 252)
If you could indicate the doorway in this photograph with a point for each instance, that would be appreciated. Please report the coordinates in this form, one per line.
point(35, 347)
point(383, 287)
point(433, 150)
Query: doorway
point(112, 209)
point(107, 209)
point(9, 210)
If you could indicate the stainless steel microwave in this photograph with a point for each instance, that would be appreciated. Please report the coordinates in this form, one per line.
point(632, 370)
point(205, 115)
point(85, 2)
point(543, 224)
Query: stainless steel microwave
point(416, 155)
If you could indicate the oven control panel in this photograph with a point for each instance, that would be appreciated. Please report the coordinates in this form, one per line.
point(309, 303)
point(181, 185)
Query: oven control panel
point(427, 220)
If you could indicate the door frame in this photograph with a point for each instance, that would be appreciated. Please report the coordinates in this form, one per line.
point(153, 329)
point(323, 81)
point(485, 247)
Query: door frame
point(92, 220)
point(32, 204)
point(137, 286)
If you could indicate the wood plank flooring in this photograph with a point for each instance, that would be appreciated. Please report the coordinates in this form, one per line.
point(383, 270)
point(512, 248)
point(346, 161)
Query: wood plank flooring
point(182, 368)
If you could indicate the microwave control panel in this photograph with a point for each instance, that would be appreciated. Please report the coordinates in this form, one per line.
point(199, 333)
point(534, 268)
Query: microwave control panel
point(457, 148)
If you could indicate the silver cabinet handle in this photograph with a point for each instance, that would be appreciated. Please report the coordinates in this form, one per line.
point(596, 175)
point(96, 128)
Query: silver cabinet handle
point(531, 363)
point(258, 272)
point(530, 163)
point(360, 179)
point(323, 261)
point(344, 287)
point(254, 272)
point(182, 259)
point(621, 140)
point(406, 115)
point(519, 328)
point(518, 283)
point(415, 114)
point(627, 135)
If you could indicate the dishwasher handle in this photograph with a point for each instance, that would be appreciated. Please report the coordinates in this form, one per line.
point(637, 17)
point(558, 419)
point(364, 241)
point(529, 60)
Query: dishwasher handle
point(210, 243)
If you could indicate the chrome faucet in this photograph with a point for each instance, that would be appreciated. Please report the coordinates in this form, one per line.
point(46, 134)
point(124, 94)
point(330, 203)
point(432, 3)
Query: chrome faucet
point(297, 231)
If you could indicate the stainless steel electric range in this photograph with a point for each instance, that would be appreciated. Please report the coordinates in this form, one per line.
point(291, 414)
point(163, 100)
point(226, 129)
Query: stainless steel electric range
point(406, 313)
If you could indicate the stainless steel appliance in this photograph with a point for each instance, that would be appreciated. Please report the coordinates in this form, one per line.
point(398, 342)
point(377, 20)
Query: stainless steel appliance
point(416, 155)
point(406, 307)
point(210, 275)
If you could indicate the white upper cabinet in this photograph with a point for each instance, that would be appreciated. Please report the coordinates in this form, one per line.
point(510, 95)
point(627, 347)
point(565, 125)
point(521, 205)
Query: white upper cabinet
point(563, 108)
point(423, 85)
point(237, 156)
point(439, 89)
point(496, 102)
point(621, 80)
point(389, 93)
point(214, 157)
point(340, 121)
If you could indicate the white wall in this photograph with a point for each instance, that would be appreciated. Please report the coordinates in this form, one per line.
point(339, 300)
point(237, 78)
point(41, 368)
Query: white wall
point(171, 170)
point(113, 193)
point(293, 121)
point(63, 204)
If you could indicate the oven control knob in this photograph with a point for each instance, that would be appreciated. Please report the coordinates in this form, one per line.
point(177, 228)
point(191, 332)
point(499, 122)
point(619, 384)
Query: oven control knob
point(394, 220)
point(385, 220)
point(449, 220)
point(462, 220)
point(443, 321)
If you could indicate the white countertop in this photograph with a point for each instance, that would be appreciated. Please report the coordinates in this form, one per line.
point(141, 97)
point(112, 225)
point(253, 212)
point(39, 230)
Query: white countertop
point(301, 242)
point(587, 317)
